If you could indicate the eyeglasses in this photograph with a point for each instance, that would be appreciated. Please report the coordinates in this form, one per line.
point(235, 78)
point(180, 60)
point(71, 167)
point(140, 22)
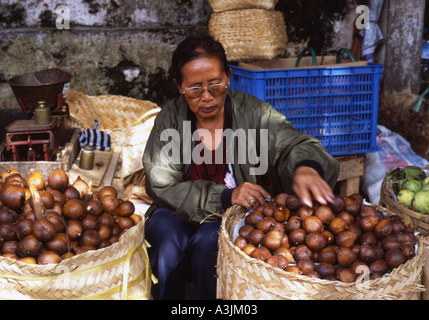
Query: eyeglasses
point(214, 89)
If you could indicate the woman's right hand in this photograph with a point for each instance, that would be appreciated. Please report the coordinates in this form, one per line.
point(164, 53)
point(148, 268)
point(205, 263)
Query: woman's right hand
point(249, 195)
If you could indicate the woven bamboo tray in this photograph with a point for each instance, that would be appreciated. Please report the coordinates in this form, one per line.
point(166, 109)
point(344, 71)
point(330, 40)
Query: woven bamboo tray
point(127, 120)
point(120, 271)
point(415, 219)
point(226, 5)
point(250, 34)
point(243, 278)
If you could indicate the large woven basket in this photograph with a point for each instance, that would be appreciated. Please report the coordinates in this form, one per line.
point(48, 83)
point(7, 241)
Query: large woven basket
point(250, 34)
point(127, 120)
point(244, 278)
point(415, 219)
point(226, 5)
point(120, 271)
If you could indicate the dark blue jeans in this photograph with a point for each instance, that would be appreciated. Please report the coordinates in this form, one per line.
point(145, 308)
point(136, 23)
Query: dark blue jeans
point(174, 247)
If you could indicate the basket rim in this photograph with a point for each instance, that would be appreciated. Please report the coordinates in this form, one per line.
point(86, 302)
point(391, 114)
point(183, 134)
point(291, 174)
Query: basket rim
point(217, 3)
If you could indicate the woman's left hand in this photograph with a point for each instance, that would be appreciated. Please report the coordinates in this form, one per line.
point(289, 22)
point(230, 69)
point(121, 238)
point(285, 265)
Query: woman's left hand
point(308, 182)
point(249, 195)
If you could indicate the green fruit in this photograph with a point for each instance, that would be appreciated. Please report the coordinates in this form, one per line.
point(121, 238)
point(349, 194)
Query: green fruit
point(420, 202)
point(397, 185)
point(412, 185)
point(395, 175)
point(405, 197)
point(426, 180)
point(414, 173)
point(425, 187)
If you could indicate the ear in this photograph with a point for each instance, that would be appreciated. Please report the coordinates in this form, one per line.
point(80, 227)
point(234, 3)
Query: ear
point(229, 75)
point(178, 86)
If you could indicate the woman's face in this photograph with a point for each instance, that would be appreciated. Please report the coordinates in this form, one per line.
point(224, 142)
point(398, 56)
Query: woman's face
point(203, 72)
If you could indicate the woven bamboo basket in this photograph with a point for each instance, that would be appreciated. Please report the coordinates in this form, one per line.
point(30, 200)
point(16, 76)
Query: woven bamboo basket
point(415, 219)
point(226, 5)
point(243, 278)
point(127, 120)
point(135, 187)
point(250, 34)
point(120, 271)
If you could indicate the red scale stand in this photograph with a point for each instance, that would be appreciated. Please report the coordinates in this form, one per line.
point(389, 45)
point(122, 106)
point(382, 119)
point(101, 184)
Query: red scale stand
point(29, 141)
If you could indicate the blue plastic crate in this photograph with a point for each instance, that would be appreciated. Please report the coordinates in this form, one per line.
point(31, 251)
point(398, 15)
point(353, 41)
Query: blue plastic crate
point(338, 105)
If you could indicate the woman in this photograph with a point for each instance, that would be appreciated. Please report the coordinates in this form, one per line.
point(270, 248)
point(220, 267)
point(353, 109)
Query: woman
point(195, 171)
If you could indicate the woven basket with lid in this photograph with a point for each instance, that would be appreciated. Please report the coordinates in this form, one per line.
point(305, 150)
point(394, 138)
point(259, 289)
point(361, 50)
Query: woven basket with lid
point(250, 34)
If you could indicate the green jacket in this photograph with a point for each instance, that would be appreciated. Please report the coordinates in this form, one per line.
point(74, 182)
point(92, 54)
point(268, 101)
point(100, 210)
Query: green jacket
point(284, 148)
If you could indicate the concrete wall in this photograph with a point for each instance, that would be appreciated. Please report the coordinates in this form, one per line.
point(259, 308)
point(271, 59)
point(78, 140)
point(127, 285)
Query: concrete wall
point(404, 35)
point(124, 47)
point(109, 39)
point(105, 39)
point(402, 82)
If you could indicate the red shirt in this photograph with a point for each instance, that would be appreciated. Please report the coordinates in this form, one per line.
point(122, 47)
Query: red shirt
point(219, 173)
point(209, 171)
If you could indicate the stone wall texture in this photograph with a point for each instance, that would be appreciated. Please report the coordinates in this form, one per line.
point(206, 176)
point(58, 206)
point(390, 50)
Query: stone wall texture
point(111, 47)
point(124, 46)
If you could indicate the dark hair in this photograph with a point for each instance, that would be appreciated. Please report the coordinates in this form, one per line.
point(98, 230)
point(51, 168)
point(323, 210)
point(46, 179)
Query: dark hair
point(194, 47)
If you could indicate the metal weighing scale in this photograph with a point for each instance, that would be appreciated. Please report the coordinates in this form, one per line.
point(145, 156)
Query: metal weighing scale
point(43, 91)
